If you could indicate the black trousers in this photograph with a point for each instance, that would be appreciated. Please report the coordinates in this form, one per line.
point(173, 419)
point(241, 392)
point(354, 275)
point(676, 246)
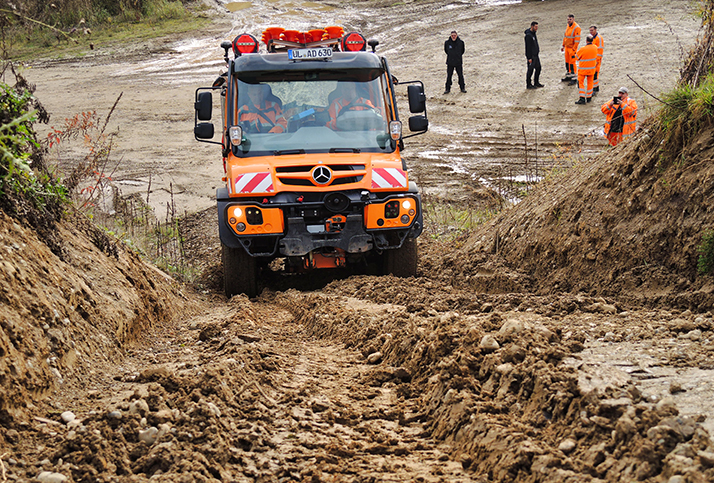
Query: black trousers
point(450, 74)
point(533, 70)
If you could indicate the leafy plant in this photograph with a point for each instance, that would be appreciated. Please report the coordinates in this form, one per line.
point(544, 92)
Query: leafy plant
point(17, 145)
point(88, 179)
point(705, 264)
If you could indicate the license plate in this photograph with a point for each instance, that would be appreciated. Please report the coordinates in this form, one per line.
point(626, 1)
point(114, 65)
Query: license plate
point(310, 54)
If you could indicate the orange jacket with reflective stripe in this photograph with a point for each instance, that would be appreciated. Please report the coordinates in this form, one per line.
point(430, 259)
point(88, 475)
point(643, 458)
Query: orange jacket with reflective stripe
point(266, 119)
point(629, 114)
point(600, 46)
point(587, 59)
point(359, 104)
point(572, 36)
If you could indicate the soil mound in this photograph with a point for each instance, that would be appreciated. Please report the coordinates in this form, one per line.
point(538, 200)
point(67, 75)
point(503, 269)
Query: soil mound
point(63, 317)
point(626, 224)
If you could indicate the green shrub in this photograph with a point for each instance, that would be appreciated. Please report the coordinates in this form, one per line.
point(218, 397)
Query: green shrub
point(18, 144)
point(705, 265)
point(686, 111)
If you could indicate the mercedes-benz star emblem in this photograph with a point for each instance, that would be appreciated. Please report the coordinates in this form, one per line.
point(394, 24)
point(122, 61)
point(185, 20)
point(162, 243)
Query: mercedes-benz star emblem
point(322, 175)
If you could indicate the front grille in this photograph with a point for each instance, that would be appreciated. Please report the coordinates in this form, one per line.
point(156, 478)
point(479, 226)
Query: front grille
point(296, 181)
point(351, 179)
point(284, 173)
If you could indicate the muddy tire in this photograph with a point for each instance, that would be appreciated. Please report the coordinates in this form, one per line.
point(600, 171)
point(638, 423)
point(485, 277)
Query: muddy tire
point(402, 262)
point(240, 272)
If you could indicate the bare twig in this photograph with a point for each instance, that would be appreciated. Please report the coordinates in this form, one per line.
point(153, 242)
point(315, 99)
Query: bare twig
point(2, 467)
point(525, 144)
point(536, 150)
point(148, 190)
point(649, 94)
point(40, 23)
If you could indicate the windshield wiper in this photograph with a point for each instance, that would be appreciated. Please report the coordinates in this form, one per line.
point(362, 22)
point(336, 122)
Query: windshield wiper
point(344, 150)
point(289, 151)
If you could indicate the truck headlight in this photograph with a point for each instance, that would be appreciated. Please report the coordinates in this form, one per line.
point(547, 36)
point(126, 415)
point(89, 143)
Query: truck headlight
point(235, 133)
point(395, 130)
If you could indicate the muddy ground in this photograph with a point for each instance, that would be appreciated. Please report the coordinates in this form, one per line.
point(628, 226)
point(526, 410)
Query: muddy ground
point(476, 140)
point(472, 371)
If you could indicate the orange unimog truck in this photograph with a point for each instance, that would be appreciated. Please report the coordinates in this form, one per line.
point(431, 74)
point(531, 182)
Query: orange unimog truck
point(312, 176)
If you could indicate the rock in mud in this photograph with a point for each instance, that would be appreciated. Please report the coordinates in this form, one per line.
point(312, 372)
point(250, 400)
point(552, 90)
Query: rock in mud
point(488, 343)
point(706, 458)
point(139, 407)
point(49, 477)
point(148, 435)
point(374, 358)
point(567, 446)
point(68, 416)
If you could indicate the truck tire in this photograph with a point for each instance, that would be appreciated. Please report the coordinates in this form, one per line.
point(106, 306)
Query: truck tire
point(240, 272)
point(402, 262)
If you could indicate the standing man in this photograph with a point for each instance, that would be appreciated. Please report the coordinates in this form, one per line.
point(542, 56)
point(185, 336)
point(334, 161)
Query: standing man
point(454, 48)
point(599, 43)
point(532, 51)
point(571, 40)
point(621, 114)
point(587, 61)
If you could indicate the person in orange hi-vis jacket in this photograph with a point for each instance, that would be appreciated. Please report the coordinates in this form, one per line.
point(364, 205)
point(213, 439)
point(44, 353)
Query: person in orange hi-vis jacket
point(600, 44)
point(258, 114)
point(571, 40)
point(621, 112)
point(587, 61)
point(348, 99)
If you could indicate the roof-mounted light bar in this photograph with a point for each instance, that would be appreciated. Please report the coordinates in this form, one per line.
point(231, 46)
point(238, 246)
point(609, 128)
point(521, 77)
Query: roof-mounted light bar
point(279, 39)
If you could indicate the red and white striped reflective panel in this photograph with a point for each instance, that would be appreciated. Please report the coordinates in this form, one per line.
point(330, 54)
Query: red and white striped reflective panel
point(389, 178)
point(254, 183)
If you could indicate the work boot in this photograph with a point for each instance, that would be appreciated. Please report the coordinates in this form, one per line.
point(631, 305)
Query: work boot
point(581, 101)
point(447, 91)
point(538, 84)
point(589, 99)
point(530, 86)
point(572, 82)
point(463, 89)
point(596, 90)
point(567, 78)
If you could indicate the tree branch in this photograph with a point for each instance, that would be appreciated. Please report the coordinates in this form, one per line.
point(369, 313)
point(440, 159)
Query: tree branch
point(40, 23)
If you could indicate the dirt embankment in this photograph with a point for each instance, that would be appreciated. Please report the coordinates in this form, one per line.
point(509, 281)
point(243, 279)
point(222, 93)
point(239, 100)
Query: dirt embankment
point(61, 316)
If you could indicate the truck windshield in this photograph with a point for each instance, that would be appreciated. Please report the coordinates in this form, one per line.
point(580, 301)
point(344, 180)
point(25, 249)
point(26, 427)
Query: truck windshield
point(311, 116)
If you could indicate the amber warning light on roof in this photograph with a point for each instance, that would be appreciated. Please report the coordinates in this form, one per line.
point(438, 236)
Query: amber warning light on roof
point(278, 39)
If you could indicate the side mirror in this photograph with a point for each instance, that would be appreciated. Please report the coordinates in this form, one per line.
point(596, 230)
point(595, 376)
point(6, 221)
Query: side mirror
point(418, 123)
point(417, 99)
point(203, 130)
point(204, 106)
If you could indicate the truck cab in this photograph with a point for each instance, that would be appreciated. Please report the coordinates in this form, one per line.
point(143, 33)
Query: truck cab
point(311, 141)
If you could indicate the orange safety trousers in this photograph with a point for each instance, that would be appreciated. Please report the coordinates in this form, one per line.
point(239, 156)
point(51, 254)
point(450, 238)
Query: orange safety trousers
point(587, 63)
point(571, 61)
point(583, 79)
point(614, 138)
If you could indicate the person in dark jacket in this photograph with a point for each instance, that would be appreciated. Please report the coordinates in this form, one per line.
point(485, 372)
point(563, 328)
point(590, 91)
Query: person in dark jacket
point(454, 48)
point(532, 51)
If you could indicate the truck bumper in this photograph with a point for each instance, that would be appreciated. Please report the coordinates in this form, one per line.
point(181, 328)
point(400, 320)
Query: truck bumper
point(301, 237)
